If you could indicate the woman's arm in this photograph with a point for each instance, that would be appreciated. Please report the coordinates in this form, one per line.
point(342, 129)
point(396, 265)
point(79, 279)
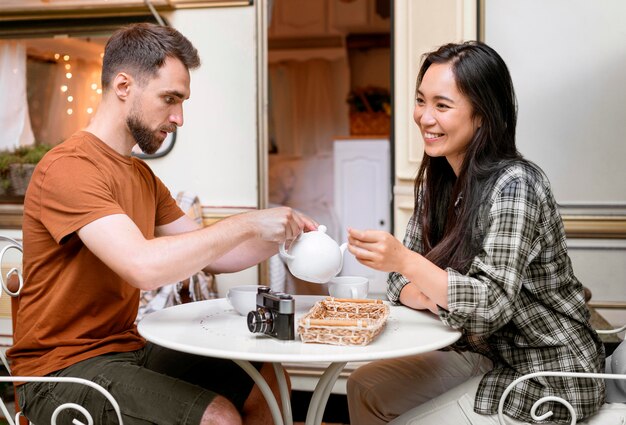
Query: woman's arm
point(412, 297)
point(382, 251)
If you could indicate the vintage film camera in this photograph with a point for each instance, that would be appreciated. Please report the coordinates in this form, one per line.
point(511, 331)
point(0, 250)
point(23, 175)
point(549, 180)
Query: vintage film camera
point(274, 315)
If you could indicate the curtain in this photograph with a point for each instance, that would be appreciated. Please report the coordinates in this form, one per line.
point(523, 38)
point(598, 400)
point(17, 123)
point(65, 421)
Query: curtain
point(49, 97)
point(307, 105)
point(14, 116)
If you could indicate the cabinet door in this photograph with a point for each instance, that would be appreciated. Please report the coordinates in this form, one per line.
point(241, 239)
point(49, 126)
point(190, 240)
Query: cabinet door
point(362, 197)
point(363, 16)
point(299, 18)
point(346, 15)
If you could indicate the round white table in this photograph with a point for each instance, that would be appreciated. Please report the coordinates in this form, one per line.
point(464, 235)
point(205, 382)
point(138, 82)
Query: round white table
point(212, 328)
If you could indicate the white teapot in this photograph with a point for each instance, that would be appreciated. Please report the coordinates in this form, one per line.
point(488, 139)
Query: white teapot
point(314, 256)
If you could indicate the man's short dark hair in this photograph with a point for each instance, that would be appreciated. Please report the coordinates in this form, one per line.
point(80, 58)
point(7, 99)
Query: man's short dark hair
point(141, 49)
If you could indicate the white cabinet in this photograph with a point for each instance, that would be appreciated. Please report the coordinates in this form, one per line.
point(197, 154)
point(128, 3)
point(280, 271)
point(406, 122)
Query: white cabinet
point(317, 18)
point(361, 16)
point(362, 200)
point(299, 18)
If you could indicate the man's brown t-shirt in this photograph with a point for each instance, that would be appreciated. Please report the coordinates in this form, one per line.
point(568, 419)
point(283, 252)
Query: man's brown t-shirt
point(73, 307)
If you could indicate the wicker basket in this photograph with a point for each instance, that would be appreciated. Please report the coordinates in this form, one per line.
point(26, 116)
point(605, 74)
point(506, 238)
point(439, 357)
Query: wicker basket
point(339, 321)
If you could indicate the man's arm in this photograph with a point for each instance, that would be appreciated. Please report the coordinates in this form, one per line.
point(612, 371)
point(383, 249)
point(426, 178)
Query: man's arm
point(245, 255)
point(151, 263)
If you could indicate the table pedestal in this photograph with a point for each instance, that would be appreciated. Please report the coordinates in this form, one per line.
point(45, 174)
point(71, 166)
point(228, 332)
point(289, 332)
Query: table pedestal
point(318, 401)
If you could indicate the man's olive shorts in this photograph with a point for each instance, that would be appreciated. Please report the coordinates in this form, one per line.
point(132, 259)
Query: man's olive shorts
point(153, 385)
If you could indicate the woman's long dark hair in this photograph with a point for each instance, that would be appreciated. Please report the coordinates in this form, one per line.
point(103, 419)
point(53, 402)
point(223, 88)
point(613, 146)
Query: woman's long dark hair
point(449, 227)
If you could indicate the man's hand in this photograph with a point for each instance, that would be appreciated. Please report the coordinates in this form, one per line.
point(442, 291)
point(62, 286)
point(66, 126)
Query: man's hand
point(280, 224)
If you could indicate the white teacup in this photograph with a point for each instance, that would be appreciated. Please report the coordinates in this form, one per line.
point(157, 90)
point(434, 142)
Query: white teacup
point(348, 287)
point(243, 298)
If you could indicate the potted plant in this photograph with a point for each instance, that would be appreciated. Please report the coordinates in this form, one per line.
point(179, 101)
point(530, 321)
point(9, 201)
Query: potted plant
point(16, 168)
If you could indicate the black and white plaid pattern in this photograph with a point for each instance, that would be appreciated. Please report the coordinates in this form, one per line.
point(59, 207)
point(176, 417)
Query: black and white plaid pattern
point(520, 303)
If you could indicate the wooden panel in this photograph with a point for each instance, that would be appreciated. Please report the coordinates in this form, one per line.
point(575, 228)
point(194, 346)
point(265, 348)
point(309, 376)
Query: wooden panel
point(419, 26)
point(595, 227)
point(11, 216)
point(5, 306)
point(48, 6)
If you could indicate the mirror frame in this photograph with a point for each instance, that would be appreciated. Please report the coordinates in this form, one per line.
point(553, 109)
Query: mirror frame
point(166, 147)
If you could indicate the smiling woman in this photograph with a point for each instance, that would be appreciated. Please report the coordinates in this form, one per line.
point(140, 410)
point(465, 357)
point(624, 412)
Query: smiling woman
point(444, 115)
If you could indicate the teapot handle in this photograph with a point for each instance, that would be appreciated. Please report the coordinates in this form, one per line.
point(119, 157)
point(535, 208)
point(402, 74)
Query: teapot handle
point(283, 253)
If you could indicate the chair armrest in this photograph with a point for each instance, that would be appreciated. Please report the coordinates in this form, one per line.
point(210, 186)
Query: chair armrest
point(611, 331)
point(542, 400)
point(62, 407)
point(14, 281)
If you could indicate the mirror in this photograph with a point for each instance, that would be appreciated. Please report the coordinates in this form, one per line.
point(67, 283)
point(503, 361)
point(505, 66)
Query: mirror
point(166, 147)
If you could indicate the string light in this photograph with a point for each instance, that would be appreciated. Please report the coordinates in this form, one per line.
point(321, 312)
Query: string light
point(67, 89)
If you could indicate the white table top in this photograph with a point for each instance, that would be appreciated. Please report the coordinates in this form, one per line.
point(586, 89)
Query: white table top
point(212, 328)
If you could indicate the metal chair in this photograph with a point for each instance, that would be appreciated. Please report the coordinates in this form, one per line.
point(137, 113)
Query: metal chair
point(598, 417)
point(14, 277)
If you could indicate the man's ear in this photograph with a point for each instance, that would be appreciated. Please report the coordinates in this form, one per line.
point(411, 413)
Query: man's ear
point(121, 85)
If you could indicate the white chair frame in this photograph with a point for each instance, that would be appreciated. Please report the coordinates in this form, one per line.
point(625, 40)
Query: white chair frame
point(13, 244)
point(535, 406)
point(533, 410)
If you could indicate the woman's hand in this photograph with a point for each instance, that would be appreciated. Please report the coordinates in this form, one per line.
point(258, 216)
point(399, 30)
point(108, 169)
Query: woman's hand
point(382, 251)
point(377, 249)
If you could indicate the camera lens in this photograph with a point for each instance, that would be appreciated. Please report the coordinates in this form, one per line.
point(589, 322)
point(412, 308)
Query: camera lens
point(260, 320)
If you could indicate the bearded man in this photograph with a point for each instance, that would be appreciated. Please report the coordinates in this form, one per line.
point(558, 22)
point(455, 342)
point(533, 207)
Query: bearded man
point(99, 226)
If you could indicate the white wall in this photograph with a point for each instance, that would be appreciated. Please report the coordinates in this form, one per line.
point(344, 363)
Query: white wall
point(215, 154)
point(567, 59)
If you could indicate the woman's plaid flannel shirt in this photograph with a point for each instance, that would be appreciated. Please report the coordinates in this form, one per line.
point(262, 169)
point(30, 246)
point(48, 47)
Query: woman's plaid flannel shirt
point(519, 303)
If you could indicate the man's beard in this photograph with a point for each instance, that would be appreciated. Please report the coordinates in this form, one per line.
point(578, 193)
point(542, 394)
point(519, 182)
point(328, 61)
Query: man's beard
point(147, 140)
